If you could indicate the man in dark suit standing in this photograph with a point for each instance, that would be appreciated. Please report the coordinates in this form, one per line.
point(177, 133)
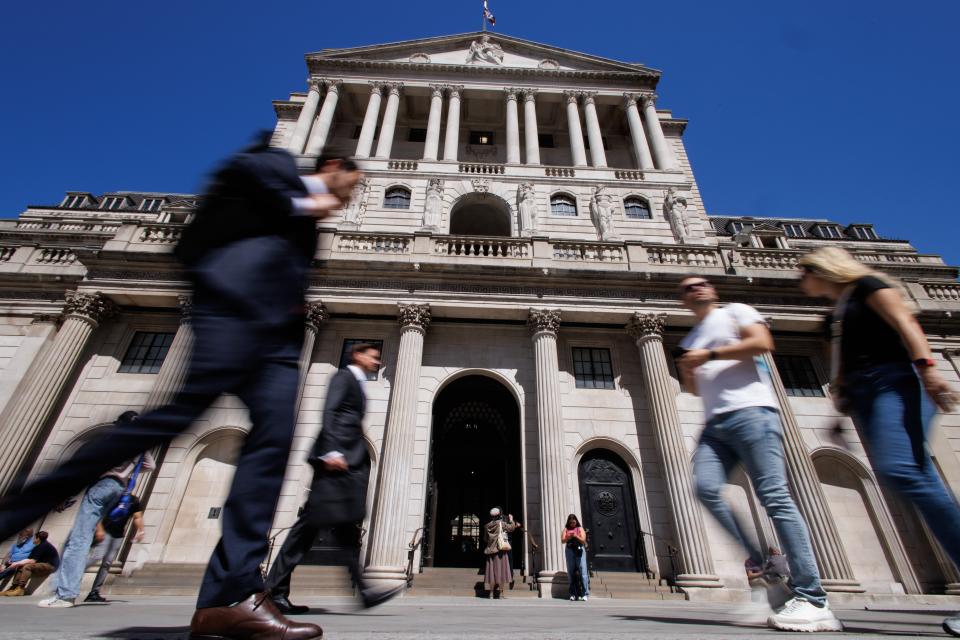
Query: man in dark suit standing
point(338, 494)
point(247, 254)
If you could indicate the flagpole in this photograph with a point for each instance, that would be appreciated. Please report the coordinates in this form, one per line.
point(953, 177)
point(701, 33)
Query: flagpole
point(483, 18)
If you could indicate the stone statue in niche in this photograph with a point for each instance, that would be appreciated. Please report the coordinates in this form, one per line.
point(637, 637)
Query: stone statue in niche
point(675, 211)
point(527, 206)
point(601, 212)
point(483, 50)
point(353, 214)
point(433, 209)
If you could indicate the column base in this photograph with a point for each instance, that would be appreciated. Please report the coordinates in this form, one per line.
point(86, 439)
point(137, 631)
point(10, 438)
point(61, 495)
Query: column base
point(952, 589)
point(838, 585)
point(696, 580)
point(385, 576)
point(553, 584)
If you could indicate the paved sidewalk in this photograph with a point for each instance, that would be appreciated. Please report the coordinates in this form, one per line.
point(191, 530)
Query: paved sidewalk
point(159, 618)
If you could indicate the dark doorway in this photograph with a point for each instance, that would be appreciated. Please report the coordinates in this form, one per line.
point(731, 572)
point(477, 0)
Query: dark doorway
point(480, 214)
point(474, 466)
point(610, 514)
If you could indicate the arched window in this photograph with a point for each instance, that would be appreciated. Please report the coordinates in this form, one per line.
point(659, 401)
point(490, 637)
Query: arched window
point(563, 205)
point(396, 198)
point(636, 208)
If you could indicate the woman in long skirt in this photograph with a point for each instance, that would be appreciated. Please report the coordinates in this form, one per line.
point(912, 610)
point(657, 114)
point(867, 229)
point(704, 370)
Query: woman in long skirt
point(498, 574)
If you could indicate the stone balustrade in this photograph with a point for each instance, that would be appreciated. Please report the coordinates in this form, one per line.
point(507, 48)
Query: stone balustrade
point(67, 225)
point(482, 168)
point(378, 244)
point(55, 256)
point(160, 233)
point(621, 174)
point(402, 165)
point(560, 172)
point(588, 252)
point(683, 256)
point(482, 247)
point(769, 258)
point(943, 292)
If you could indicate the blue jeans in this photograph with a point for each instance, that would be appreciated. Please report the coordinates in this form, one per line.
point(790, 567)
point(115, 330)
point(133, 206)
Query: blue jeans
point(893, 413)
point(99, 498)
point(572, 562)
point(753, 436)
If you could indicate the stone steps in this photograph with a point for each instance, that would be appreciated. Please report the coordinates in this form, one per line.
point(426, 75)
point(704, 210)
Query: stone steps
point(633, 586)
point(466, 583)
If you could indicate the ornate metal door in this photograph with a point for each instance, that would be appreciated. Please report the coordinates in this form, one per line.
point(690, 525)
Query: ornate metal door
point(609, 513)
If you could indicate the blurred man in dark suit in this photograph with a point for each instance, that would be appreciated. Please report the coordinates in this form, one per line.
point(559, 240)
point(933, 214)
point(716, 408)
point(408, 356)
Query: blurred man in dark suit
point(338, 495)
point(247, 253)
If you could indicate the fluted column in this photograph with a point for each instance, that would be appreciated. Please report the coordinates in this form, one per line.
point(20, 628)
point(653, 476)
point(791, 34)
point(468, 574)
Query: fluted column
point(387, 129)
point(432, 144)
point(531, 135)
point(25, 416)
point(661, 151)
point(554, 497)
point(640, 147)
point(388, 542)
point(451, 140)
point(696, 563)
point(513, 127)
point(577, 149)
point(317, 316)
point(835, 571)
point(175, 365)
point(598, 157)
point(369, 127)
point(321, 128)
point(305, 119)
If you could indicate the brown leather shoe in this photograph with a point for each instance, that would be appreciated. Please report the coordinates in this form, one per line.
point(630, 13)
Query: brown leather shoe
point(256, 618)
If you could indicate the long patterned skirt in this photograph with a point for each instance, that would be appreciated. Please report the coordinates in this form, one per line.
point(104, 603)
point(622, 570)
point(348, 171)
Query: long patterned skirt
point(498, 570)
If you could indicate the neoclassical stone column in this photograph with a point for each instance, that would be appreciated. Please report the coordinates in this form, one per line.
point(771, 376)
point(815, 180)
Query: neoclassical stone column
point(661, 151)
point(531, 135)
point(173, 371)
point(451, 140)
point(577, 149)
point(432, 144)
point(317, 316)
point(369, 127)
point(25, 416)
point(835, 571)
point(554, 496)
point(513, 127)
point(388, 541)
point(305, 119)
point(639, 138)
point(387, 129)
point(696, 563)
point(598, 157)
point(321, 128)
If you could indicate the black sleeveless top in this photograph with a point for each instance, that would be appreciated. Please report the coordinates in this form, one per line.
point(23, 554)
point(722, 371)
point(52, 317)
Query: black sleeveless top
point(868, 340)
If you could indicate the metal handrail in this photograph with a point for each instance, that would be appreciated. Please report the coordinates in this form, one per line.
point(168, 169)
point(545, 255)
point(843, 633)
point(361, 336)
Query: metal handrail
point(534, 551)
point(415, 543)
point(272, 540)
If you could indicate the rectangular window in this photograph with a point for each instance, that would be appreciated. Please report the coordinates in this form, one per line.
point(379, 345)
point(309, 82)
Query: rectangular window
point(113, 203)
point(793, 230)
point(829, 231)
point(481, 137)
point(864, 233)
point(74, 202)
point(151, 204)
point(545, 140)
point(417, 135)
point(348, 345)
point(798, 376)
point(592, 368)
point(146, 352)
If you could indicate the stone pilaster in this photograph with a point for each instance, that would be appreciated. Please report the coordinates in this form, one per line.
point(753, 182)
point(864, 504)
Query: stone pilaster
point(23, 420)
point(835, 571)
point(173, 371)
point(321, 128)
point(432, 144)
point(661, 151)
point(578, 150)
point(387, 129)
point(513, 127)
point(554, 496)
point(640, 147)
point(530, 131)
point(598, 157)
point(451, 141)
point(696, 563)
point(389, 535)
point(305, 119)
point(369, 127)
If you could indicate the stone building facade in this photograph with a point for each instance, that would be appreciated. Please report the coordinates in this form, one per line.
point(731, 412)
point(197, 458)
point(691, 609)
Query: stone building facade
point(515, 247)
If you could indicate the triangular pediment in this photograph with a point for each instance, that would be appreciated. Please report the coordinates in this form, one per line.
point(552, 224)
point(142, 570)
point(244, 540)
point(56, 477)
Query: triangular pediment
point(481, 49)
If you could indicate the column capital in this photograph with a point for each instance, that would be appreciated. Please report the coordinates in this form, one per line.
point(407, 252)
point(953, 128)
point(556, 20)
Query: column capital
point(92, 307)
point(316, 315)
point(436, 90)
point(572, 97)
point(455, 90)
point(543, 320)
point(315, 84)
point(333, 86)
point(377, 88)
point(630, 99)
point(588, 96)
point(643, 326)
point(394, 87)
point(413, 316)
point(186, 308)
point(648, 99)
point(529, 95)
point(511, 92)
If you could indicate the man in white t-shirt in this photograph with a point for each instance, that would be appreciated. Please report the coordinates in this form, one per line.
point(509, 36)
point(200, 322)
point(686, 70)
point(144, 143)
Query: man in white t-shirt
point(722, 363)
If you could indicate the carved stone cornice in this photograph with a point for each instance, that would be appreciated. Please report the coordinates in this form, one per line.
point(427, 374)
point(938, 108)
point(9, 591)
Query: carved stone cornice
point(413, 316)
point(317, 314)
point(45, 318)
point(543, 320)
point(646, 326)
point(92, 307)
point(186, 308)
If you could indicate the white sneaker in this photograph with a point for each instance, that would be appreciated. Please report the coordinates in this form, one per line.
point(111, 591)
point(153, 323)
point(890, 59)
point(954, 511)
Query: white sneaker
point(573, 598)
point(585, 598)
point(952, 625)
point(55, 603)
point(801, 615)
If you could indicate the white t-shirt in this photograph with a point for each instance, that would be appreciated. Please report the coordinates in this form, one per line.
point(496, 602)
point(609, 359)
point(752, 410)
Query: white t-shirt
point(728, 385)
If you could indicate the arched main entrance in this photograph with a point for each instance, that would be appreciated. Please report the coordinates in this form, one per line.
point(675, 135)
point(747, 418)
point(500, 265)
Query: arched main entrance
point(480, 214)
point(609, 513)
point(474, 466)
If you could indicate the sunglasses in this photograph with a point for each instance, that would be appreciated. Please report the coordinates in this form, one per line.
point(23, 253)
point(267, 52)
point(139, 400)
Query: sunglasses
point(693, 286)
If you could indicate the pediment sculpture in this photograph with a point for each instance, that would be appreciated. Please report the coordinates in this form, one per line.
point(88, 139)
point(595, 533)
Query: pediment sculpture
point(483, 50)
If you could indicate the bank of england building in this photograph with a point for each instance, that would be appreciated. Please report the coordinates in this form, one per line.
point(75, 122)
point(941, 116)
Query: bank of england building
point(515, 249)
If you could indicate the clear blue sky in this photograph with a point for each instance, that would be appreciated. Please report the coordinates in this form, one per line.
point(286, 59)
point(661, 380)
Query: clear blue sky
point(837, 109)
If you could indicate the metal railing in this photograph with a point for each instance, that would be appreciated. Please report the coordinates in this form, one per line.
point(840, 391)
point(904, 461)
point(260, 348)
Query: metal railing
point(272, 540)
point(534, 553)
point(415, 543)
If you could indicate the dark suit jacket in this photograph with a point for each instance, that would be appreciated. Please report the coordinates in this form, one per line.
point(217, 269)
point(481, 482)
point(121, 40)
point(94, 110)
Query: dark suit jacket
point(340, 497)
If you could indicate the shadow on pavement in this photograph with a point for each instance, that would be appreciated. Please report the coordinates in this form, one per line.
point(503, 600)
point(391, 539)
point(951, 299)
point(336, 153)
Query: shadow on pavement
point(149, 633)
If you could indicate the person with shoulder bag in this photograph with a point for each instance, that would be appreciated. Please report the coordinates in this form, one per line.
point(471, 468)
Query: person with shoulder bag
point(888, 382)
point(498, 574)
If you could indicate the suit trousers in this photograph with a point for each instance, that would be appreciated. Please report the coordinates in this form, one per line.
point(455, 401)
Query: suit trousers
point(236, 351)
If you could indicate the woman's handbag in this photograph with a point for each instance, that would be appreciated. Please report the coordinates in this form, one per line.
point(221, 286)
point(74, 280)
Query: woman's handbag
point(503, 543)
point(120, 513)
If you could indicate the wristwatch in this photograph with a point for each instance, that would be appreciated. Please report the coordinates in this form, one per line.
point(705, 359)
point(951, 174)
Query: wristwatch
point(923, 363)
point(713, 355)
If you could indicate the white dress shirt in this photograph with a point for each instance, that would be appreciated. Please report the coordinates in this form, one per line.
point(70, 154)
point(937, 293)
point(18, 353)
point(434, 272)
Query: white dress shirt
point(314, 186)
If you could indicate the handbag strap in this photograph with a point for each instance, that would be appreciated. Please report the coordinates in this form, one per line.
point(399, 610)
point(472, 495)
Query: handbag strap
point(133, 476)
